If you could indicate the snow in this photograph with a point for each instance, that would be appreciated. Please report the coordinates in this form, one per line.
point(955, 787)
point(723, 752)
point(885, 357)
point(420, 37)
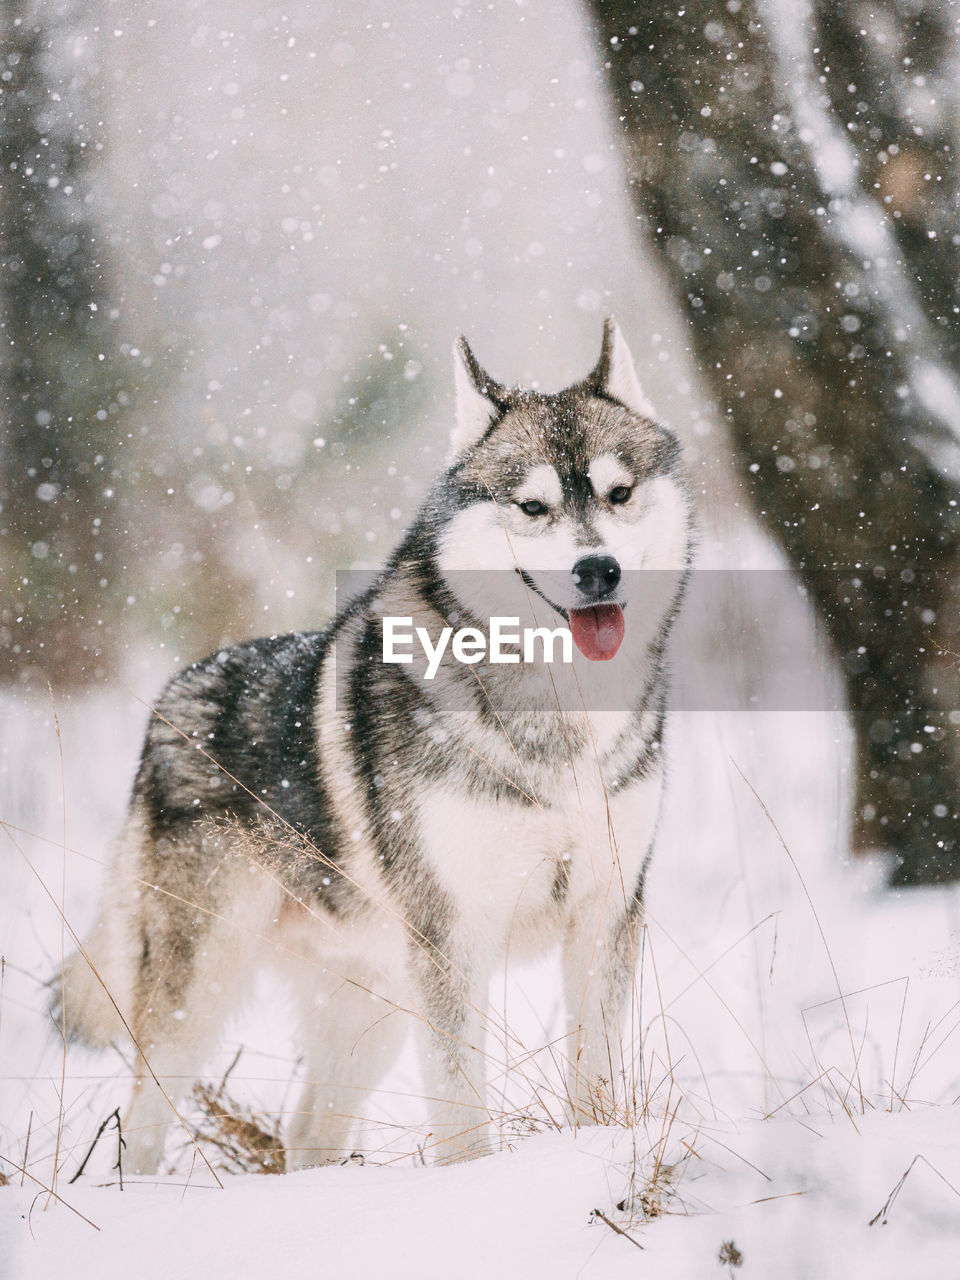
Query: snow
point(530, 1213)
point(474, 1220)
point(752, 1069)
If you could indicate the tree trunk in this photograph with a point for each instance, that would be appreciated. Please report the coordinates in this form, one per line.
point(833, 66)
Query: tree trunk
point(62, 392)
point(797, 176)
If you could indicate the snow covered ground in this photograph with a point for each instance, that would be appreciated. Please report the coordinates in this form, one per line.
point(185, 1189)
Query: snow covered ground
point(777, 1119)
point(774, 1114)
point(803, 1210)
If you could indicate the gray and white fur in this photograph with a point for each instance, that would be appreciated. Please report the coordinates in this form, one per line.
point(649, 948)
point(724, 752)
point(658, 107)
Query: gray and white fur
point(386, 841)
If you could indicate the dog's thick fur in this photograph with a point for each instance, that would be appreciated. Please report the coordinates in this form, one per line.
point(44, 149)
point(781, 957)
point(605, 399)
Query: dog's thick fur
point(385, 840)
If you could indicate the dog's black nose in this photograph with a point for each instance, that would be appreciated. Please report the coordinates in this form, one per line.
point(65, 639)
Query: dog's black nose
point(596, 576)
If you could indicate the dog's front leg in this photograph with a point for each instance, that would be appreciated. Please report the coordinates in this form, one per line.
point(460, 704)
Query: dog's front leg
point(599, 953)
point(452, 996)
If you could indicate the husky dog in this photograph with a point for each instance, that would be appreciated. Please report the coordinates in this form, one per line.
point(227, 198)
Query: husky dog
point(387, 840)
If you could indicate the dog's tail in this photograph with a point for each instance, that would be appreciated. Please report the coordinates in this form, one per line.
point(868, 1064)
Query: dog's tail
point(97, 978)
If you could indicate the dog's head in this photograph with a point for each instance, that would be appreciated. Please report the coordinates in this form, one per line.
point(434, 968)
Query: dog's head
point(566, 492)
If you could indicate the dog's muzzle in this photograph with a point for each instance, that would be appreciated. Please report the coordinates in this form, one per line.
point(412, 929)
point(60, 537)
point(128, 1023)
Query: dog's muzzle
point(596, 576)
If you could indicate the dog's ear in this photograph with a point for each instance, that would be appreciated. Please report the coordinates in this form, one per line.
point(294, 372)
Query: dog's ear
point(480, 400)
point(615, 376)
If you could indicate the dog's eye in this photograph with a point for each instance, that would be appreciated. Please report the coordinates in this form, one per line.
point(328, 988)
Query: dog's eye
point(620, 494)
point(533, 508)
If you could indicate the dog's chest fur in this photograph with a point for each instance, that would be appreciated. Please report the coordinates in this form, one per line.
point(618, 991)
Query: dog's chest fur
point(522, 867)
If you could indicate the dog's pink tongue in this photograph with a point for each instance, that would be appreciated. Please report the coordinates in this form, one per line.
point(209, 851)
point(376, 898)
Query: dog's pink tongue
point(598, 630)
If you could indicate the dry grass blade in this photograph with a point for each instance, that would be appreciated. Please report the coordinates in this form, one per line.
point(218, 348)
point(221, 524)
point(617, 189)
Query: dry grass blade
point(63, 952)
point(896, 1051)
point(26, 1145)
point(702, 977)
point(648, 1202)
point(823, 937)
point(49, 1190)
point(702, 973)
point(246, 1141)
point(785, 1195)
point(649, 1191)
point(613, 1227)
point(883, 1212)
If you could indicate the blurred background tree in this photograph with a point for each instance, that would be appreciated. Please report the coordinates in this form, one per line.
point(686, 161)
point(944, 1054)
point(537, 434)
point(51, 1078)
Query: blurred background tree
point(796, 173)
point(128, 506)
point(62, 380)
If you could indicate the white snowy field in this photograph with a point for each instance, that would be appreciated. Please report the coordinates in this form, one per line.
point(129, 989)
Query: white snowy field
point(278, 214)
point(773, 1114)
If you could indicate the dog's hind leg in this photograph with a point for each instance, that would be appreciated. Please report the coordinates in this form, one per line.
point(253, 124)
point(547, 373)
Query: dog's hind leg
point(351, 1038)
point(197, 962)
